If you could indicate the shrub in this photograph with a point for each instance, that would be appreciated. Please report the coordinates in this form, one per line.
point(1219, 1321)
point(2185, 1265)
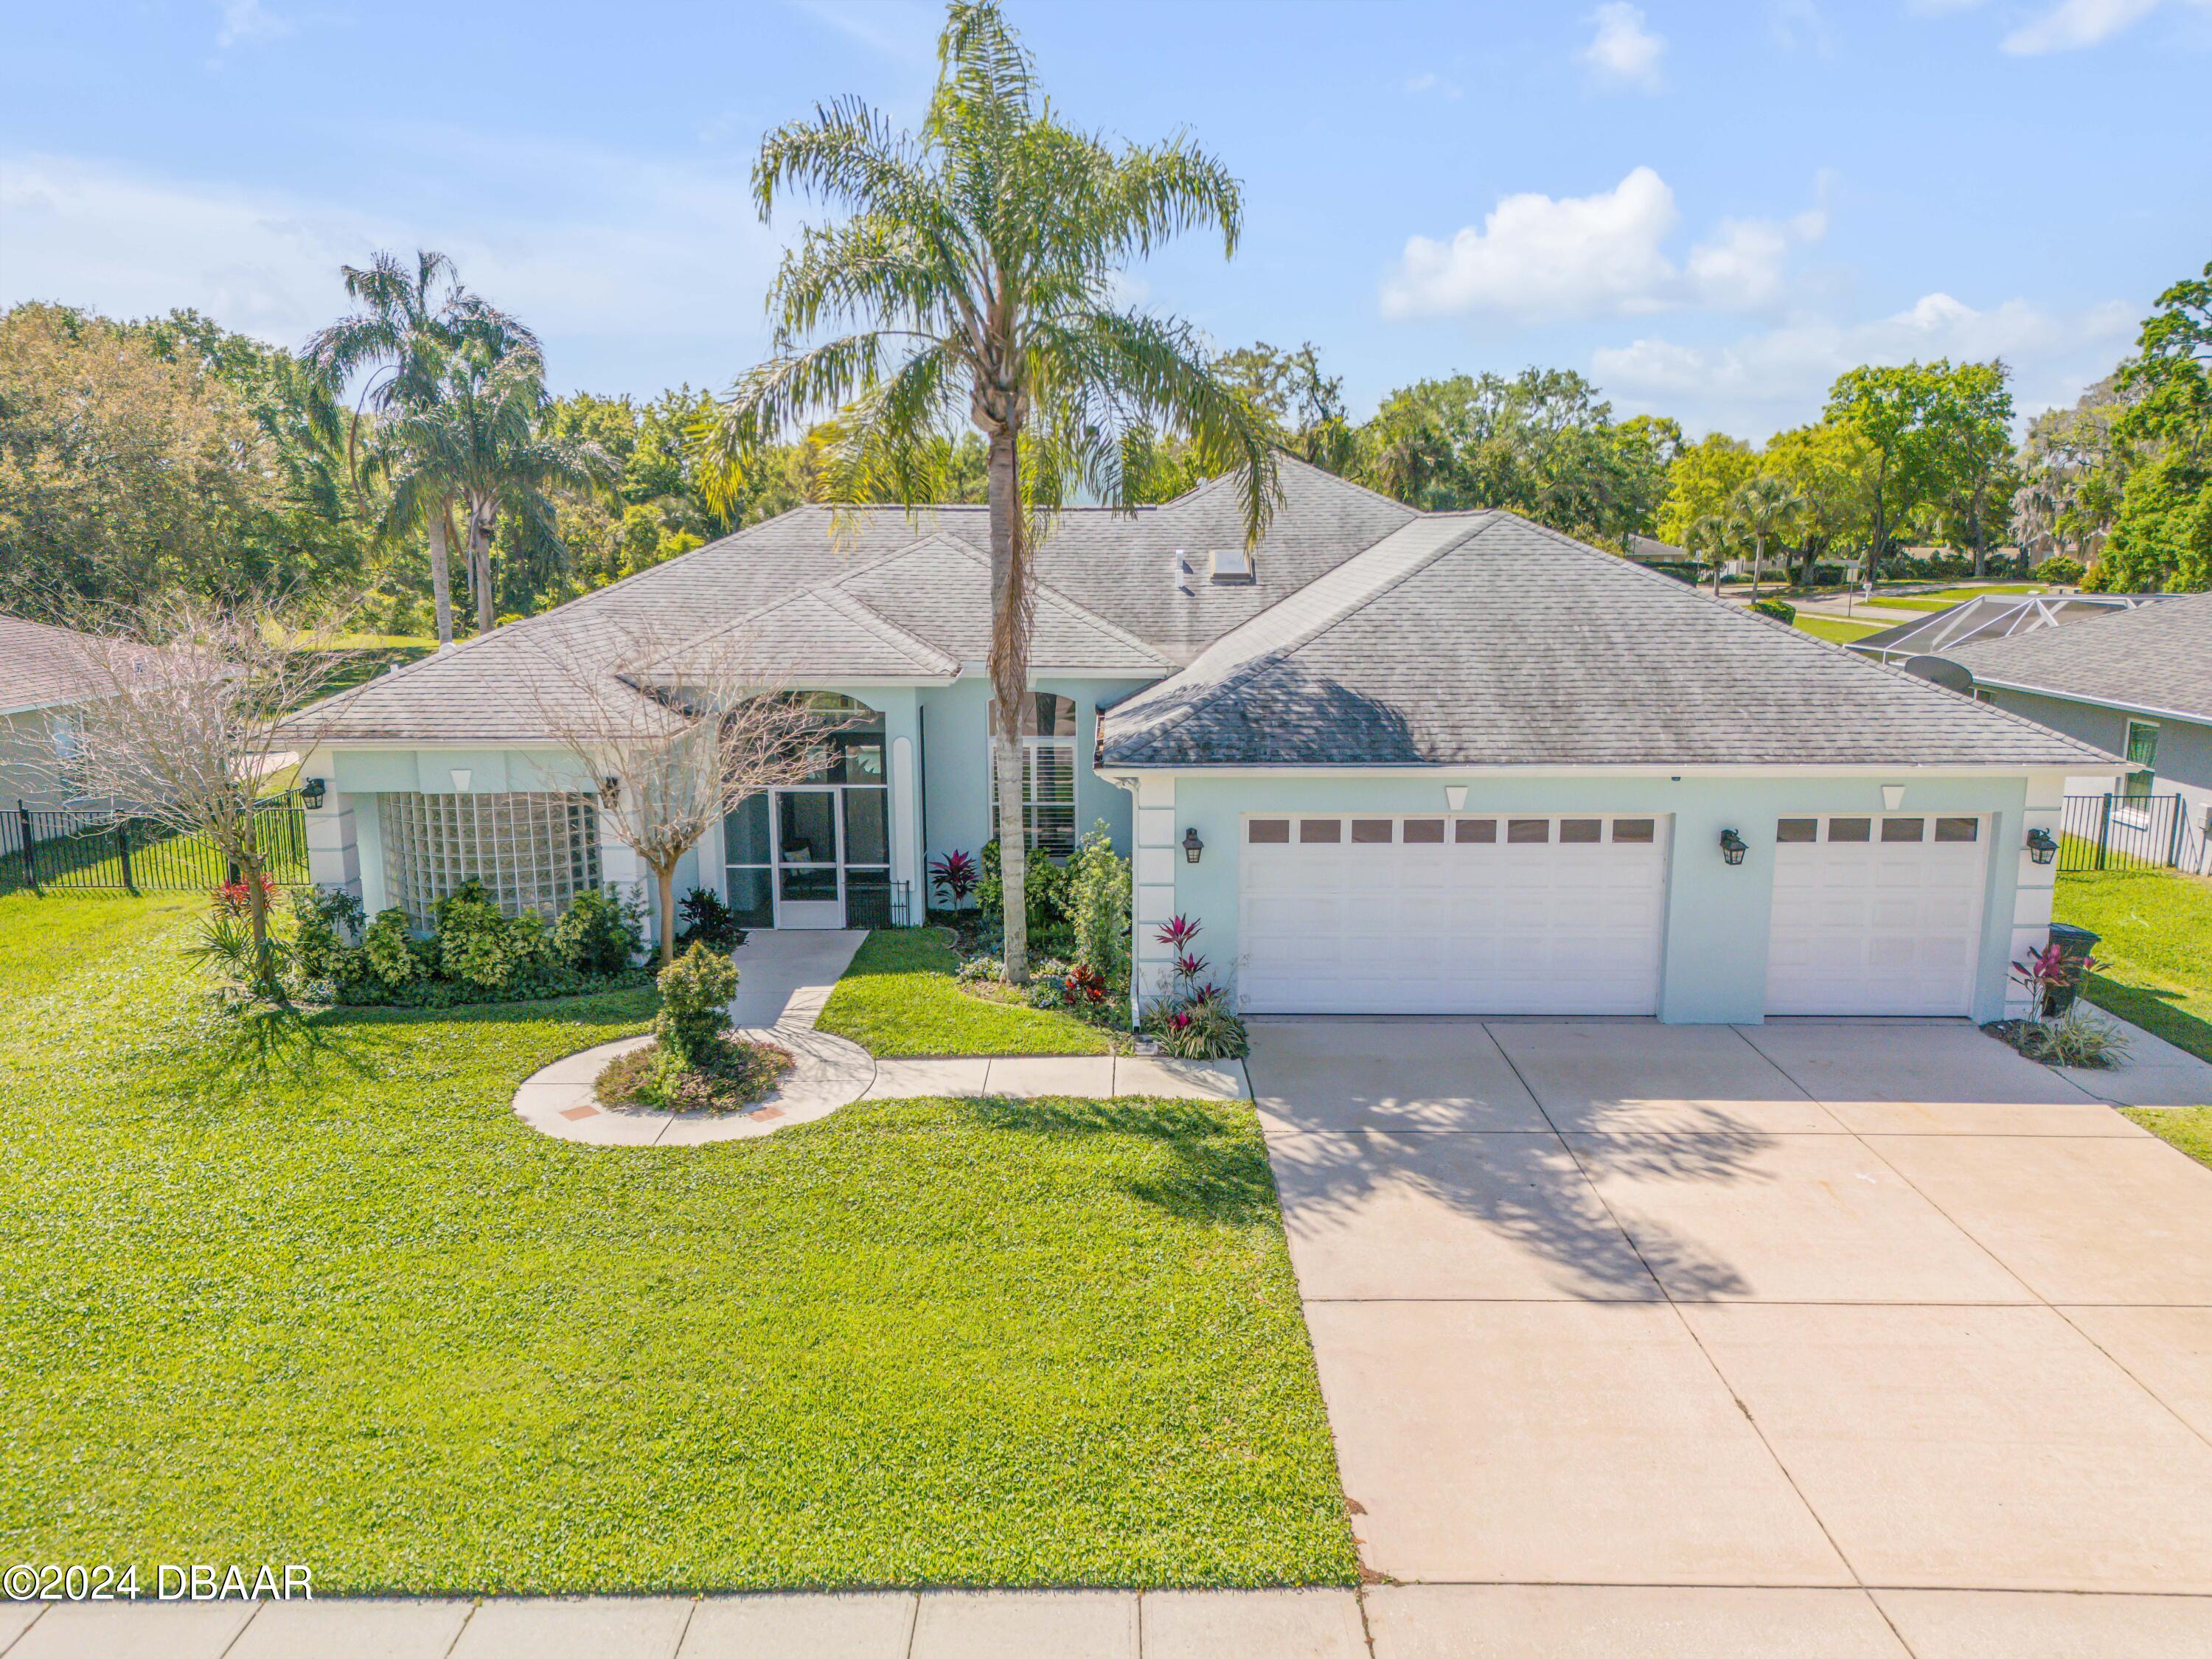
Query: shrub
point(327, 928)
point(1197, 1028)
point(233, 897)
point(707, 922)
point(389, 953)
point(976, 968)
point(2060, 570)
point(599, 934)
point(695, 1008)
point(481, 948)
point(1099, 908)
point(742, 1072)
point(1044, 894)
point(1779, 610)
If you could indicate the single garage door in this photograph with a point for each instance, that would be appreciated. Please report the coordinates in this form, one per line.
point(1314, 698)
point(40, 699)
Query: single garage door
point(1876, 916)
point(1451, 915)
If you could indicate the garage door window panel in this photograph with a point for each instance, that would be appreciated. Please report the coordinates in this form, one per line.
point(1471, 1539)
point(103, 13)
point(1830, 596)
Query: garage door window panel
point(1425, 832)
point(1315, 830)
point(1475, 832)
point(1524, 832)
point(1368, 832)
point(1851, 829)
point(1895, 830)
point(1580, 831)
point(1268, 832)
point(1635, 832)
point(1956, 829)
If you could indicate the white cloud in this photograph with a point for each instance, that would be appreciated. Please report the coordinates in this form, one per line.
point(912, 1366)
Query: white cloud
point(248, 20)
point(1538, 257)
point(1780, 375)
point(2073, 24)
point(650, 259)
point(1622, 53)
point(1428, 81)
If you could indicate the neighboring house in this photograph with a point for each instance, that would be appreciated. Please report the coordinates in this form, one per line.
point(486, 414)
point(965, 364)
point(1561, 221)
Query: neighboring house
point(2137, 680)
point(1391, 762)
point(46, 685)
point(1990, 617)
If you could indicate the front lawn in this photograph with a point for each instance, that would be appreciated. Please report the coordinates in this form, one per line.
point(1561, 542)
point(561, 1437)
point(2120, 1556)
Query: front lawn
point(2156, 941)
point(899, 1000)
point(1837, 630)
point(342, 1307)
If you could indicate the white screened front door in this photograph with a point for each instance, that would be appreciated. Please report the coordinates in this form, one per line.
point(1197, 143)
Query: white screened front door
point(1878, 914)
point(1457, 915)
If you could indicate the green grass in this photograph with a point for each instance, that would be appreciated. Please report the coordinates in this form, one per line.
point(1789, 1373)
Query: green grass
point(2155, 928)
point(347, 1309)
point(2188, 1128)
point(899, 1000)
point(1835, 629)
point(1946, 598)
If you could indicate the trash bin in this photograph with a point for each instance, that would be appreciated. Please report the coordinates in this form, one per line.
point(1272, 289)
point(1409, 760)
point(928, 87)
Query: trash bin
point(2074, 948)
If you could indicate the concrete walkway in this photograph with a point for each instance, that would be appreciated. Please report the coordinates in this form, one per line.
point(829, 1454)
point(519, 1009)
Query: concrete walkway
point(784, 979)
point(1817, 1337)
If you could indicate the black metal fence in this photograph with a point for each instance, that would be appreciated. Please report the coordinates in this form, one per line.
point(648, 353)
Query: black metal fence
point(73, 849)
point(2131, 832)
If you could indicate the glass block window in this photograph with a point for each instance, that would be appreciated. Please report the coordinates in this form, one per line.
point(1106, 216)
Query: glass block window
point(531, 851)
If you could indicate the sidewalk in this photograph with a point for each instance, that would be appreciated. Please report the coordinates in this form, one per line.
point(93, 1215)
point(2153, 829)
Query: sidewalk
point(1320, 1623)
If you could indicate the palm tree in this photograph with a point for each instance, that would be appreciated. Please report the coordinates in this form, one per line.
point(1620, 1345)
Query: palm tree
point(476, 442)
point(975, 266)
point(1764, 507)
point(406, 329)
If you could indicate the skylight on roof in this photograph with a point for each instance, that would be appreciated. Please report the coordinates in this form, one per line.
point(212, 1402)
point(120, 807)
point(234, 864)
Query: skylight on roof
point(1231, 564)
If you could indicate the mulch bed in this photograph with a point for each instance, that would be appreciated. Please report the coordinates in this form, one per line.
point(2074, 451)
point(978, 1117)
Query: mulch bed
point(747, 1072)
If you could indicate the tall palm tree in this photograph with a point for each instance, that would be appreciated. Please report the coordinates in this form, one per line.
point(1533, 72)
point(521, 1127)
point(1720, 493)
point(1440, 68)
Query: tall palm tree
point(405, 330)
point(974, 267)
point(1709, 533)
point(1764, 507)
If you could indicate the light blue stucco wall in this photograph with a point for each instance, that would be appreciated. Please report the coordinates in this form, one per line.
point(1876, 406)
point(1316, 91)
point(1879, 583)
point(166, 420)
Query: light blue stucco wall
point(957, 729)
point(1715, 960)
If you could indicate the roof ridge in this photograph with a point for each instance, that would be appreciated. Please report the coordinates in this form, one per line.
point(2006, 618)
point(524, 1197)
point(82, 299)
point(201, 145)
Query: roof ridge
point(1058, 596)
point(1797, 633)
point(852, 605)
point(1243, 672)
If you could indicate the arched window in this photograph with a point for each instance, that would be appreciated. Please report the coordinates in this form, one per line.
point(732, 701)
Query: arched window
point(1049, 726)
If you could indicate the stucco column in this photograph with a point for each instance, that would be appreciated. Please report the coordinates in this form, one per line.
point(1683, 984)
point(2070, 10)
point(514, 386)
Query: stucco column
point(333, 847)
point(2034, 884)
point(622, 871)
point(1155, 877)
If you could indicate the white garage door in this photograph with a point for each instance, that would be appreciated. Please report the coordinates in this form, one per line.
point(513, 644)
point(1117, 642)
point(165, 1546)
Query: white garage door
point(1876, 916)
point(1451, 915)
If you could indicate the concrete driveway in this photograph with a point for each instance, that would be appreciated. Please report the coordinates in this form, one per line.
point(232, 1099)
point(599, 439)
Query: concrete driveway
point(1840, 1338)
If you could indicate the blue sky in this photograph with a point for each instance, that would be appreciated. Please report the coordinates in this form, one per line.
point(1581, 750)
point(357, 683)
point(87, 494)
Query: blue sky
point(1709, 208)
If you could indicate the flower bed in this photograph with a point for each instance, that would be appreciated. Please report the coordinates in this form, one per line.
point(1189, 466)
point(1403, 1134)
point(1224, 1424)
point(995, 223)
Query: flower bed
point(742, 1074)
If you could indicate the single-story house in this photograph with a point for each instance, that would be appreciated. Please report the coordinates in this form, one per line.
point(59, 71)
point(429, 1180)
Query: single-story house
point(2136, 680)
point(47, 679)
point(1389, 761)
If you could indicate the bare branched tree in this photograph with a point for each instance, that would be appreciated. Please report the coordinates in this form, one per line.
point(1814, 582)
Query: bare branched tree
point(675, 732)
point(193, 704)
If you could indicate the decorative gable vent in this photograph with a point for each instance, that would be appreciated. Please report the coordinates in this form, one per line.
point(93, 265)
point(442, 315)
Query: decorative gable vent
point(1231, 564)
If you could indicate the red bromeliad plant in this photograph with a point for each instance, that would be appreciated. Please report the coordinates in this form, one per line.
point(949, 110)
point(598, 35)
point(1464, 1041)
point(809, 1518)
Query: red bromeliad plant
point(1086, 984)
point(236, 898)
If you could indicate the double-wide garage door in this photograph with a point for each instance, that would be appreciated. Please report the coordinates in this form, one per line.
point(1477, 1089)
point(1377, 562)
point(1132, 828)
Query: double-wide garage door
point(1876, 916)
point(1341, 914)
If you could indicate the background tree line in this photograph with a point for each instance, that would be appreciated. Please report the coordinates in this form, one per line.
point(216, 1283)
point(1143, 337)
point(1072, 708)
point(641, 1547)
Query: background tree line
point(171, 455)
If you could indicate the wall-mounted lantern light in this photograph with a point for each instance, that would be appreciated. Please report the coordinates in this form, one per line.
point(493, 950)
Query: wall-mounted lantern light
point(311, 793)
point(1192, 846)
point(1732, 846)
point(611, 791)
point(2040, 847)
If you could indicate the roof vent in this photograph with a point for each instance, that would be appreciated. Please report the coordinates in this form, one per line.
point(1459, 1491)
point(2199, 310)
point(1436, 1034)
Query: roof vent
point(1180, 573)
point(1231, 564)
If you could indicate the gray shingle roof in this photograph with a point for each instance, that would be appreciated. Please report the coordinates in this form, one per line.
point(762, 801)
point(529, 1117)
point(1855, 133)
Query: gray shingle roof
point(1108, 601)
point(2157, 656)
point(1485, 640)
point(42, 667)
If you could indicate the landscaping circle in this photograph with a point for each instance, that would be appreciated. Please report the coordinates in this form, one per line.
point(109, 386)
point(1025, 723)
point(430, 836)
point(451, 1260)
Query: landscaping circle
point(560, 1099)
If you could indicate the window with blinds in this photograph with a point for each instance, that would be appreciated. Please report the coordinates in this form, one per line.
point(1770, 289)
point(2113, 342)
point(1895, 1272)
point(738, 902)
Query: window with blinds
point(531, 851)
point(1047, 777)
